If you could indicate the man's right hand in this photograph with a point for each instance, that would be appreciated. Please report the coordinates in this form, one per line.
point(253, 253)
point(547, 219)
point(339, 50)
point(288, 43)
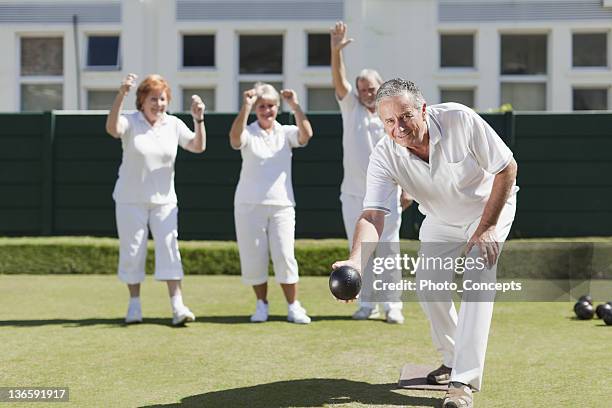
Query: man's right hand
point(338, 38)
point(348, 262)
point(127, 83)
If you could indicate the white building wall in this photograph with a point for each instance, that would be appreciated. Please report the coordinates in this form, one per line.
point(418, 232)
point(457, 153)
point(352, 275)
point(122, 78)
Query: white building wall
point(396, 37)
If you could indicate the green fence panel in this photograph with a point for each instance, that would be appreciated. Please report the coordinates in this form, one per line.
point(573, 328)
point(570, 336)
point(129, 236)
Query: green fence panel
point(58, 170)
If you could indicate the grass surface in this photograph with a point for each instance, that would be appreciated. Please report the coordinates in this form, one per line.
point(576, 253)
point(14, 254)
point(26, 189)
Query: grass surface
point(68, 331)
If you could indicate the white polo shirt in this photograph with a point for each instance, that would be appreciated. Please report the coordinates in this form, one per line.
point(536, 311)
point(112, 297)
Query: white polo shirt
point(146, 174)
point(362, 130)
point(465, 153)
point(265, 176)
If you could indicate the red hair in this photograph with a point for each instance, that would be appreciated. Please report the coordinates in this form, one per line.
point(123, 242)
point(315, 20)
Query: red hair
point(153, 82)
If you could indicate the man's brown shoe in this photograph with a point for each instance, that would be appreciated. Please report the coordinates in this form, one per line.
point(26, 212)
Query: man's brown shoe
point(458, 396)
point(439, 376)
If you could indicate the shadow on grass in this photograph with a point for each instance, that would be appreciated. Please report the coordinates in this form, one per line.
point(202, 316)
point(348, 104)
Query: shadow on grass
point(242, 319)
point(167, 321)
point(312, 392)
point(86, 322)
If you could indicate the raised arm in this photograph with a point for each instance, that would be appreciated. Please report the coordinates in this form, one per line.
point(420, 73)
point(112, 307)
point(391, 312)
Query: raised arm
point(114, 126)
point(198, 143)
point(248, 99)
point(303, 124)
point(338, 41)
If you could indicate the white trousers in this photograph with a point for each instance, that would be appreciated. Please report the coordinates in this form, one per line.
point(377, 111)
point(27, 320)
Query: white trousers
point(133, 223)
point(262, 230)
point(461, 339)
point(352, 207)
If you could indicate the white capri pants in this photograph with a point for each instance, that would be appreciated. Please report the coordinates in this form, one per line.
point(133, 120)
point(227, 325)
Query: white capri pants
point(133, 223)
point(460, 338)
point(262, 230)
point(352, 207)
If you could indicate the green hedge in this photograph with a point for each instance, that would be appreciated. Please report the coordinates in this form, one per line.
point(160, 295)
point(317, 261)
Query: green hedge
point(550, 258)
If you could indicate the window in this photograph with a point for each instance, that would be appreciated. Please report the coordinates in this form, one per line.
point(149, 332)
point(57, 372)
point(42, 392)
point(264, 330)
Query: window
point(42, 56)
point(456, 50)
point(41, 97)
point(103, 52)
point(589, 50)
point(523, 54)
point(41, 73)
point(261, 54)
point(524, 95)
point(100, 99)
point(462, 96)
point(322, 99)
point(207, 95)
point(243, 86)
point(319, 51)
point(590, 99)
point(199, 50)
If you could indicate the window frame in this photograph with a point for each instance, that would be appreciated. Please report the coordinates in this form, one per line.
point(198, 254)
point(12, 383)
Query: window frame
point(608, 49)
point(38, 79)
point(599, 87)
point(474, 35)
point(307, 51)
point(258, 77)
point(472, 88)
point(528, 78)
point(181, 50)
point(318, 85)
point(85, 47)
point(184, 87)
point(99, 89)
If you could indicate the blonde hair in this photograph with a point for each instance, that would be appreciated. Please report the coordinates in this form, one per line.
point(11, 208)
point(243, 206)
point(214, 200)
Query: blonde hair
point(266, 91)
point(153, 82)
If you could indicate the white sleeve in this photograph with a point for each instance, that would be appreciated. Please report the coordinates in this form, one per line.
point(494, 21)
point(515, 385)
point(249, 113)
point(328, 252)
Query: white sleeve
point(292, 133)
point(489, 149)
point(124, 125)
point(380, 185)
point(184, 133)
point(348, 102)
point(244, 140)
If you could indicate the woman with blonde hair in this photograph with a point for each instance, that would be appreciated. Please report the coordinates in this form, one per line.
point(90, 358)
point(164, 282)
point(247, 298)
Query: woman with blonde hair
point(264, 204)
point(144, 192)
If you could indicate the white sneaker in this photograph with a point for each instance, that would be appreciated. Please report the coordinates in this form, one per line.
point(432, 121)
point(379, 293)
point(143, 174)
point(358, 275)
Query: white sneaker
point(261, 312)
point(134, 313)
point(182, 316)
point(395, 316)
point(365, 313)
point(297, 314)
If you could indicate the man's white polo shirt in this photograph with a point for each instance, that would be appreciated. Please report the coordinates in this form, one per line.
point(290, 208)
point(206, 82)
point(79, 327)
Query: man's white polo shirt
point(265, 176)
point(465, 153)
point(146, 174)
point(362, 130)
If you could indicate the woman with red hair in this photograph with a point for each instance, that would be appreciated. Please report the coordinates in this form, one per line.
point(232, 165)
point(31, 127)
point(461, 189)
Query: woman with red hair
point(144, 193)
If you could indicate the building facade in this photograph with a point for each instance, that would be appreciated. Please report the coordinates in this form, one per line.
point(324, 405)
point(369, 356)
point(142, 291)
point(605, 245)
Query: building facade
point(549, 55)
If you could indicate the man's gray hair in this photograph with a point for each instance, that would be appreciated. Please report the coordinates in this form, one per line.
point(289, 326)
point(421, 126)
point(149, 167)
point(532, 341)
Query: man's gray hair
point(399, 86)
point(368, 74)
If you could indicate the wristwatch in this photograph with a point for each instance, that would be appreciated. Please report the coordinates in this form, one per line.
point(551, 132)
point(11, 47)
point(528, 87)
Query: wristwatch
point(198, 120)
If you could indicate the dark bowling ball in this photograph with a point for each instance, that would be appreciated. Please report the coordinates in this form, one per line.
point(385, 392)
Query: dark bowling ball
point(602, 310)
point(345, 283)
point(584, 310)
point(608, 318)
point(580, 303)
point(586, 298)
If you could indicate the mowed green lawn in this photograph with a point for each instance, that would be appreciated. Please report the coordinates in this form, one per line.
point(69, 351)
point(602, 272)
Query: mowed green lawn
point(68, 331)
